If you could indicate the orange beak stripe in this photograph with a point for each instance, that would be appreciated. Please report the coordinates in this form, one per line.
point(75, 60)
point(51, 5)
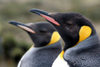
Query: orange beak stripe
point(50, 19)
point(27, 29)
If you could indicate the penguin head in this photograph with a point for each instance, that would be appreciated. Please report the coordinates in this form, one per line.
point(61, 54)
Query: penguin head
point(42, 34)
point(72, 27)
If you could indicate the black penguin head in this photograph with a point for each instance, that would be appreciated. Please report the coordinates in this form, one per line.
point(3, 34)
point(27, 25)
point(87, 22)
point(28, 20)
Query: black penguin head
point(72, 27)
point(42, 34)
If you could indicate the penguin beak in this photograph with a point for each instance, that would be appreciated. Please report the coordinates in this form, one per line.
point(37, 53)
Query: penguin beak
point(22, 26)
point(45, 15)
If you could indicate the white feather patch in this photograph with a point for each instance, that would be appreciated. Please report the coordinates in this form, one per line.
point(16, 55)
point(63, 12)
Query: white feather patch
point(60, 63)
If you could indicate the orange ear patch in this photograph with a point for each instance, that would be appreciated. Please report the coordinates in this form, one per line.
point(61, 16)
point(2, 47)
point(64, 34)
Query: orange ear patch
point(84, 33)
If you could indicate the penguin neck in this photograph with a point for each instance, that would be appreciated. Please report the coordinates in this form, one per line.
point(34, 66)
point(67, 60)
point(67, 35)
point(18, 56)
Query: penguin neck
point(83, 36)
point(68, 40)
point(88, 44)
point(37, 43)
point(54, 45)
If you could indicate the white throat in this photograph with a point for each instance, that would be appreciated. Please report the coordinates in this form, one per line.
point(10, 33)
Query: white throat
point(60, 62)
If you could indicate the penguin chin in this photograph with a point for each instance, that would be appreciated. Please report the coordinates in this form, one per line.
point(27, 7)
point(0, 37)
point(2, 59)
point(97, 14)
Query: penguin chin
point(43, 44)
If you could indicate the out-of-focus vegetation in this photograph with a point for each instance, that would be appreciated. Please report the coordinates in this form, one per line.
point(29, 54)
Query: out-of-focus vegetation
point(16, 42)
point(13, 50)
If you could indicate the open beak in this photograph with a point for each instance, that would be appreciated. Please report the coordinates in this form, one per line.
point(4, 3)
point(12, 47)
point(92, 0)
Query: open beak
point(22, 26)
point(45, 15)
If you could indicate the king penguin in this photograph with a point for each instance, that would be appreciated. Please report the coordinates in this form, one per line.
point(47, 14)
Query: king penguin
point(82, 45)
point(47, 44)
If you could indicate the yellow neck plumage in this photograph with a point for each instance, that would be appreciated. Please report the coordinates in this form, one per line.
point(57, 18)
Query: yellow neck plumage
point(54, 38)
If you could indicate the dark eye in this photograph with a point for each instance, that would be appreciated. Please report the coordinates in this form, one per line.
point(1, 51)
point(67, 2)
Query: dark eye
point(43, 31)
point(69, 23)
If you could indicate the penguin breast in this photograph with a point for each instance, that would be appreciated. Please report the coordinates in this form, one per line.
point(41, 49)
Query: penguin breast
point(60, 62)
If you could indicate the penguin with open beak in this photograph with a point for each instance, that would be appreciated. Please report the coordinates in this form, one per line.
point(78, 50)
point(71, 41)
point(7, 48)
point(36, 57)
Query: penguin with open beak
point(82, 45)
point(47, 44)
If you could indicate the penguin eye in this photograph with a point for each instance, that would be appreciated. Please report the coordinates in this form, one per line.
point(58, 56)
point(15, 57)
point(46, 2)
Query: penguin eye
point(43, 31)
point(69, 23)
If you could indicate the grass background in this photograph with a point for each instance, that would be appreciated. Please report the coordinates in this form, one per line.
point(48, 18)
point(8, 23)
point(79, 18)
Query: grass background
point(14, 42)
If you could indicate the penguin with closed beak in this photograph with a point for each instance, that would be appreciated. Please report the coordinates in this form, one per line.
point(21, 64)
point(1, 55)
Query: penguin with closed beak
point(82, 45)
point(47, 44)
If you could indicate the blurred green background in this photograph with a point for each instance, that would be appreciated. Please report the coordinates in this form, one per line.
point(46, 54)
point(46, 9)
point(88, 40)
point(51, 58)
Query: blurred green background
point(14, 42)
